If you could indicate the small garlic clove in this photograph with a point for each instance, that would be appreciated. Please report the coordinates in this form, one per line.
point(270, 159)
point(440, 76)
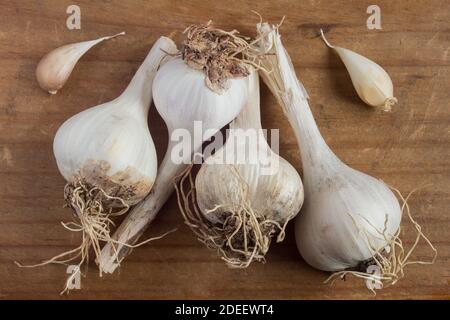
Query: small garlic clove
point(371, 81)
point(56, 66)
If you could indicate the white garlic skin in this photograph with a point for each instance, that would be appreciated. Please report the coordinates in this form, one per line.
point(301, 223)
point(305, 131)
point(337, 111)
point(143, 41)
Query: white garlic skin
point(181, 97)
point(326, 234)
point(55, 67)
point(275, 189)
point(112, 135)
point(371, 81)
point(276, 197)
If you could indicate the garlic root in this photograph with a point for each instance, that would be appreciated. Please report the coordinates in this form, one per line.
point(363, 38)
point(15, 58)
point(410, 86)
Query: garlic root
point(55, 67)
point(92, 219)
point(93, 209)
point(207, 48)
point(243, 236)
point(141, 215)
point(393, 258)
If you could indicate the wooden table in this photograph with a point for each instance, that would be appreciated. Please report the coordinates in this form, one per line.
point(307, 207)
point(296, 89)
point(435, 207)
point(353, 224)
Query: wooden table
point(406, 148)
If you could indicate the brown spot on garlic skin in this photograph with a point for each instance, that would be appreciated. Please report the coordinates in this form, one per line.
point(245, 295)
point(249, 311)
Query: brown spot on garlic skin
point(129, 184)
point(325, 229)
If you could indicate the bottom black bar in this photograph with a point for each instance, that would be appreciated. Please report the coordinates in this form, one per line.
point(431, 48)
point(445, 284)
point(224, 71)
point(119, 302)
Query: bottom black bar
point(207, 309)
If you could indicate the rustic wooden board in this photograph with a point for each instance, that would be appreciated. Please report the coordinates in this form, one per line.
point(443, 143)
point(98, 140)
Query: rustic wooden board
point(406, 148)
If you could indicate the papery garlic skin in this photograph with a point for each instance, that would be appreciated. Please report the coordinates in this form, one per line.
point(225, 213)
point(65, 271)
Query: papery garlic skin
point(346, 212)
point(370, 80)
point(109, 146)
point(181, 98)
point(277, 197)
point(55, 67)
point(275, 194)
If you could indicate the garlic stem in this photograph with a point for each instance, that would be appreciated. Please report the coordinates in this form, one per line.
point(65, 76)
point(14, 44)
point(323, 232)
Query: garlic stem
point(249, 117)
point(113, 36)
point(325, 39)
point(293, 99)
point(141, 216)
point(138, 89)
point(314, 147)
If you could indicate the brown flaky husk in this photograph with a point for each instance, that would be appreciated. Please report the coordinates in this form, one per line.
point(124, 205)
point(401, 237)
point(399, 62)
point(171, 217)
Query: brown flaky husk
point(220, 54)
point(243, 236)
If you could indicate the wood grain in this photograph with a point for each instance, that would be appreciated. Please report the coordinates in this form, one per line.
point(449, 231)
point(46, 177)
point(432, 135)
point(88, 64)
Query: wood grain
point(407, 148)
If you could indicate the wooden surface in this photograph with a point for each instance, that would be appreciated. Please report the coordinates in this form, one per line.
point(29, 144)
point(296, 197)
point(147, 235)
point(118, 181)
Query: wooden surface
point(407, 148)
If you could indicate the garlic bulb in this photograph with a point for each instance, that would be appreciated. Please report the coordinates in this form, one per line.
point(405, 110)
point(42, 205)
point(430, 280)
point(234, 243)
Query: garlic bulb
point(187, 92)
point(372, 83)
point(246, 192)
point(111, 143)
point(56, 66)
point(348, 217)
point(108, 158)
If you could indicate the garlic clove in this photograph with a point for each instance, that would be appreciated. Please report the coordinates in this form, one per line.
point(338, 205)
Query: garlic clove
point(56, 66)
point(371, 81)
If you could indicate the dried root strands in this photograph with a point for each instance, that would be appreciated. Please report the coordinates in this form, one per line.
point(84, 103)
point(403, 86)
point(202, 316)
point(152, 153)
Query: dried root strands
point(238, 205)
point(345, 210)
point(93, 209)
point(183, 98)
point(55, 67)
point(372, 82)
point(238, 233)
